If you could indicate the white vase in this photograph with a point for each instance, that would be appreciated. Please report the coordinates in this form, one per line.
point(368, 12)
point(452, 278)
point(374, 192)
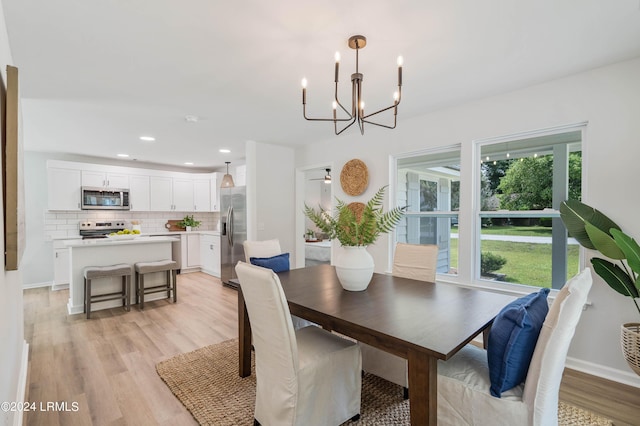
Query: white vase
point(188, 228)
point(354, 267)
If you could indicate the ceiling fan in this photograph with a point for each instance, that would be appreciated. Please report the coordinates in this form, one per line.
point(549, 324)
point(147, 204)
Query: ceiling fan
point(326, 178)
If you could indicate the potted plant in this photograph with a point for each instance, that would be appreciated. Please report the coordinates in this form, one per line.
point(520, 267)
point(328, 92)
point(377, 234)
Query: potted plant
point(188, 222)
point(356, 226)
point(595, 231)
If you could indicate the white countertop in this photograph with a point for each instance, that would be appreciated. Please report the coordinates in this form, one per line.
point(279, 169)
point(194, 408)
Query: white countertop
point(214, 233)
point(146, 234)
point(101, 242)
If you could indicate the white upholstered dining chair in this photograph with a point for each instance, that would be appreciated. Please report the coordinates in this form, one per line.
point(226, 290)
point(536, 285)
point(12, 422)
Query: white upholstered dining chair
point(463, 381)
point(417, 262)
point(265, 249)
point(304, 377)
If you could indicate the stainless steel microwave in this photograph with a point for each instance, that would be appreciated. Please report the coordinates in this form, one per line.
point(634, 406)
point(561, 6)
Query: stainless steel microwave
point(96, 198)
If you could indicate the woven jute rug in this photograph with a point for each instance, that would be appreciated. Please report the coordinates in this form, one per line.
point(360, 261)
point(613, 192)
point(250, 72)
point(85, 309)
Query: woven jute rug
point(206, 381)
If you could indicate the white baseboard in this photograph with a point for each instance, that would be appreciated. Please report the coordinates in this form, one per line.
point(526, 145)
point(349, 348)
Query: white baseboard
point(620, 376)
point(56, 287)
point(22, 382)
point(38, 285)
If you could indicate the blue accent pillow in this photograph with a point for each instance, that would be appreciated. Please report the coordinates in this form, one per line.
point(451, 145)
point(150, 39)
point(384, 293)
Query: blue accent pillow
point(279, 263)
point(512, 340)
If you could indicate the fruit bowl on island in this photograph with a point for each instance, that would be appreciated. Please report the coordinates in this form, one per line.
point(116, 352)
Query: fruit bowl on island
point(125, 234)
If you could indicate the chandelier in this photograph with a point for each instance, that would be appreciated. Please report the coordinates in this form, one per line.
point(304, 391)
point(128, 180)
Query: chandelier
point(356, 115)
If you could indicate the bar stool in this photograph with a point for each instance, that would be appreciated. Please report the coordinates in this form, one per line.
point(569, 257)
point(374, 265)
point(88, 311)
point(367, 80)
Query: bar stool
point(92, 272)
point(171, 284)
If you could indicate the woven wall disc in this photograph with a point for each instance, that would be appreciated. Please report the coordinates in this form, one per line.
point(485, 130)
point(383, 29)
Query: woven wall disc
point(354, 177)
point(357, 209)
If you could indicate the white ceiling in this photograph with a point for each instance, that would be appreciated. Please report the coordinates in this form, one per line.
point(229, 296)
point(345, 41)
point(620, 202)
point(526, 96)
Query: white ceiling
point(96, 75)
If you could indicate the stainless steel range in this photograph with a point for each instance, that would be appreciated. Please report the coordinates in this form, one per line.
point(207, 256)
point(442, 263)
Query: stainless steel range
point(100, 229)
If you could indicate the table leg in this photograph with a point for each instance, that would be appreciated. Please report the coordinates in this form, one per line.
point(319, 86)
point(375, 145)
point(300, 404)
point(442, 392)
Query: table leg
point(485, 336)
point(423, 388)
point(244, 337)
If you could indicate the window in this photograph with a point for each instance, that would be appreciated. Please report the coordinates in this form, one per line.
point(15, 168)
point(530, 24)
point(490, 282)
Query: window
point(522, 182)
point(429, 185)
point(506, 229)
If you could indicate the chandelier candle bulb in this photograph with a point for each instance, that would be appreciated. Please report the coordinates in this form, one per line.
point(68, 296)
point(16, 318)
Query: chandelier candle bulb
point(400, 62)
point(337, 56)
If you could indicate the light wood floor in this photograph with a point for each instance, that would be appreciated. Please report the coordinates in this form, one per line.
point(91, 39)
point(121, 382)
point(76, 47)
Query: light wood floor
point(107, 364)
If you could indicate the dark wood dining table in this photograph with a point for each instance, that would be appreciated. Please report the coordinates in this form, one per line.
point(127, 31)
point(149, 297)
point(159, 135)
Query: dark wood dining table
point(419, 321)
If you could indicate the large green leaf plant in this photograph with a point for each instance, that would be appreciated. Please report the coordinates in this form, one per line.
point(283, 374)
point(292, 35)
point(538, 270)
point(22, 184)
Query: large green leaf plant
point(595, 231)
point(351, 230)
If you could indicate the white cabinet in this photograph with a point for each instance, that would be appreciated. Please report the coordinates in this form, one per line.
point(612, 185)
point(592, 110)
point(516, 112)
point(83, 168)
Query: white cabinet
point(61, 267)
point(105, 179)
point(63, 189)
point(214, 194)
point(202, 195)
point(183, 194)
point(161, 193)
point(139, 194)
point(210, 254)
point(193, 250)
point(171, 194)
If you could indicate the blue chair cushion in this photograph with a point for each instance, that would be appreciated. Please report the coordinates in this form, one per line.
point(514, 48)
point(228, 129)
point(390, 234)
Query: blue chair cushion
point(279, 263)
point(512, 340)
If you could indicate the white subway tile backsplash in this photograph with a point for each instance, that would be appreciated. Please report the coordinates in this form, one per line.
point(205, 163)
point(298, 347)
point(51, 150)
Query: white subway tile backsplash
point(66, 224)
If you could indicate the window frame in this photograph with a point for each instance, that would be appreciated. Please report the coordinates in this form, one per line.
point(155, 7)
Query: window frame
point(470, 214)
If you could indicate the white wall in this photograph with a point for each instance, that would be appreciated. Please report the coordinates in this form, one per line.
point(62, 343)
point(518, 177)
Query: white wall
point(13, 352)
point(270, 185)
point(608, 98)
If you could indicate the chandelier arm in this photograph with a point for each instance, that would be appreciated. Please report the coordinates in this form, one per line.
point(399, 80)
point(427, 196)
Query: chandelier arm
point(361, 125)
point(345, 127)
point(338, 102)
point(382, 125)
point(378, 112)
point(304, 114)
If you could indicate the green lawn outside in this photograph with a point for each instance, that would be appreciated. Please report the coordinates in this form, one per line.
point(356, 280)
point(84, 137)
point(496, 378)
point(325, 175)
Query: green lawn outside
point(530, 231)
point(527, 263)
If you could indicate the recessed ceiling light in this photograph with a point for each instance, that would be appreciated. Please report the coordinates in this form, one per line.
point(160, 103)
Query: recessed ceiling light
point(147, 138)
point(188, 163)
point(191, 118)
point(123, 155)
point(225, 151)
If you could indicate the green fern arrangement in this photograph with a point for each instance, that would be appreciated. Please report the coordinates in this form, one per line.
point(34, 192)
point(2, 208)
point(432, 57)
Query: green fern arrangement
point(350, 231)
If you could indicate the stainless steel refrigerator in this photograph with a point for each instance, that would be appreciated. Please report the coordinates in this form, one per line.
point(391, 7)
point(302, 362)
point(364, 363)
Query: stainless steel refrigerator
point(233, 231)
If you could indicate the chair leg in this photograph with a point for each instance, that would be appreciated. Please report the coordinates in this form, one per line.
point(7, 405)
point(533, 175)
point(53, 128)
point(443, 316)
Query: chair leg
point(123, 283)
point(168, 278)
point(255, 423)
point(405, 393)
point(175, 286)
point(355, 418)
point(87, 298)
point(127, 292)
point(141, 289)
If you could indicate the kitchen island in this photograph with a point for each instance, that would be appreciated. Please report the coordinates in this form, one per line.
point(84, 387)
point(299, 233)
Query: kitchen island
point(104, 252)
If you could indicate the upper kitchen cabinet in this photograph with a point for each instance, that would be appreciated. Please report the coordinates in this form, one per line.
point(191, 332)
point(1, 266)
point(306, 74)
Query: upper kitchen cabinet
point(105, 179)
point(139, 193)
point(161, 193)
point(183, 194)
point(202, 195)
point(64, 189)
point(171, 193)
point(215, 194)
